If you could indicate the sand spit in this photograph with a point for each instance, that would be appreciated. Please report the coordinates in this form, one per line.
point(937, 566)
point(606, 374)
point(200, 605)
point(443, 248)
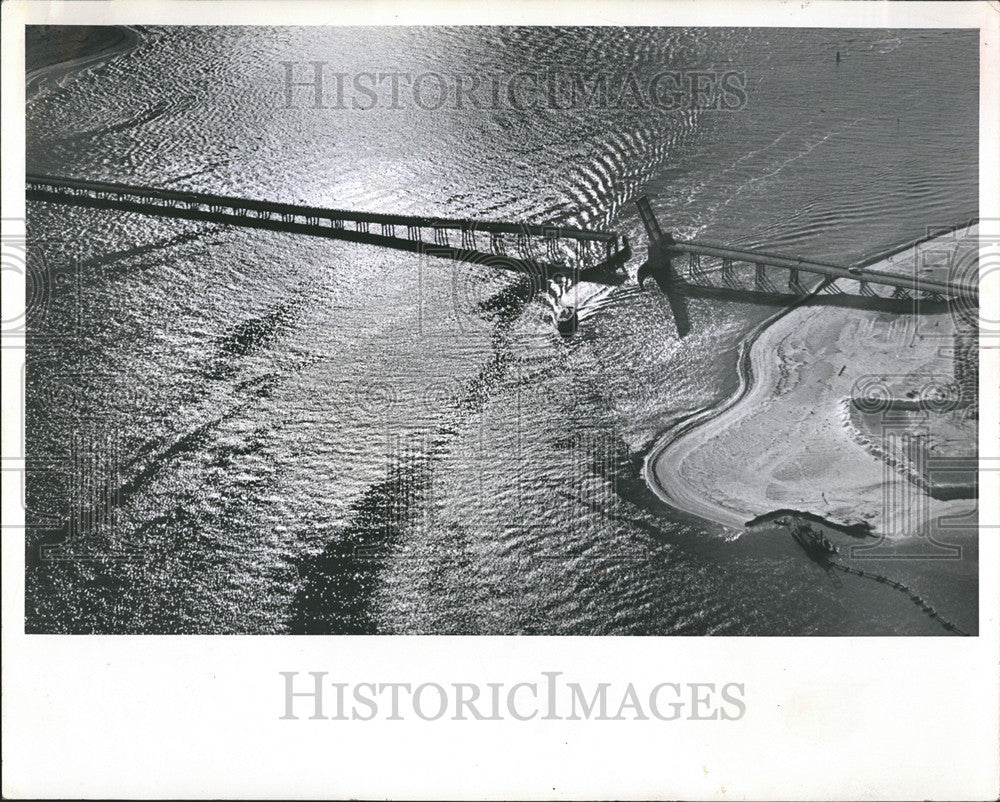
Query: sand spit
point(792, 436)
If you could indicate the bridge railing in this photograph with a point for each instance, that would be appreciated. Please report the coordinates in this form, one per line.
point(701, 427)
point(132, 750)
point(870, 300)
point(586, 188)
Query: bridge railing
point(243, 206)
point(863, 274)
point(664, 245)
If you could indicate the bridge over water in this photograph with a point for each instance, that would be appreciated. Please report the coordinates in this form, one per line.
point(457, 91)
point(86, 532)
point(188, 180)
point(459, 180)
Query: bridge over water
point(546, 250)
point(542, 250)
point(731, 267)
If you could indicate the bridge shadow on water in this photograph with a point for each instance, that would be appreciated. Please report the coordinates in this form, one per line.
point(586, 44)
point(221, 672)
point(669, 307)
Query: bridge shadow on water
point(323, 223)
point(338, 587)
point(337, 591)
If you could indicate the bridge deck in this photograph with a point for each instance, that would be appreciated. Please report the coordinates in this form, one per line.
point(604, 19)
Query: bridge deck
point(662, 245)
point(903, 281)
point(56, 188)
point(598, 257)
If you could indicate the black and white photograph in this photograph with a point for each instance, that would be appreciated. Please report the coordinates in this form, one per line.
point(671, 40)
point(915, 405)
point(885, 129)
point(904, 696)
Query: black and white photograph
point(503, 329)
point(585, 331)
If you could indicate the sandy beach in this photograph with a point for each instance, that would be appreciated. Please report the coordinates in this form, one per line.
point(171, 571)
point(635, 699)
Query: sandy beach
point(793, 435)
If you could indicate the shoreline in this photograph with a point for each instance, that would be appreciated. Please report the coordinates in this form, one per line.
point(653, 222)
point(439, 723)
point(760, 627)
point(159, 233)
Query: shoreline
point(744, 379)
point(48, 61)
point(703, 490)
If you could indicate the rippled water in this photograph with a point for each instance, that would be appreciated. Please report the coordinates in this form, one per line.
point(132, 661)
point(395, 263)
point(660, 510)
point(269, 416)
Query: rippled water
point(284, 434)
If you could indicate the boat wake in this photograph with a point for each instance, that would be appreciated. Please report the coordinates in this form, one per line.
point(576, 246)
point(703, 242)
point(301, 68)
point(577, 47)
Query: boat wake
point(578, 302)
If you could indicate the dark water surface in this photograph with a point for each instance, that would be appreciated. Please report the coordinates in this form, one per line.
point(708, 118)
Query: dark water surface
point(271, 433)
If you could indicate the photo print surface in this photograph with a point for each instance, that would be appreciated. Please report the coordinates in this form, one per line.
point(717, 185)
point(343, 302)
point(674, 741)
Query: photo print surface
point(501, 331)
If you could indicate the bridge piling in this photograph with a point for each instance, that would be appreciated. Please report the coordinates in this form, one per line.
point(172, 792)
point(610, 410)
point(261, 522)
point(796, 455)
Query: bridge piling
point(551, 245)
point(694, 266)
point(759, 280)
point(794, 284)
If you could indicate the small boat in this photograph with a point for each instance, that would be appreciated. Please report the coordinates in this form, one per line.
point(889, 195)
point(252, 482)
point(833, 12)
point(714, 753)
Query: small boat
point(567, 321)
point(813, 541)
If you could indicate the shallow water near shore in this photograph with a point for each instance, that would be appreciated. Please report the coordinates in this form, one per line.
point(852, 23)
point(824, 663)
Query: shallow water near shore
point(292, 435)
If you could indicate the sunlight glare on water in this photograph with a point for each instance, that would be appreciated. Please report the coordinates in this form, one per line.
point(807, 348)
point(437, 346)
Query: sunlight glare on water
point(316, 436)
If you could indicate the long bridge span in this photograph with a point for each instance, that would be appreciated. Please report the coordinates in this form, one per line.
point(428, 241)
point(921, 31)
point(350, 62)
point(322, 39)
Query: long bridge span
point(545, 250)
point(541, 250)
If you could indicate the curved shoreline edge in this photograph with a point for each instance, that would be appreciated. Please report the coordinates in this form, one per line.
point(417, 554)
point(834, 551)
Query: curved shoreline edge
point(703, 509)
point(745, 375)
point(35, 79)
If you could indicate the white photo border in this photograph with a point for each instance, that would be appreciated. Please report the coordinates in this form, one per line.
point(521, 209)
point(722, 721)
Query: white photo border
point(200, 717)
